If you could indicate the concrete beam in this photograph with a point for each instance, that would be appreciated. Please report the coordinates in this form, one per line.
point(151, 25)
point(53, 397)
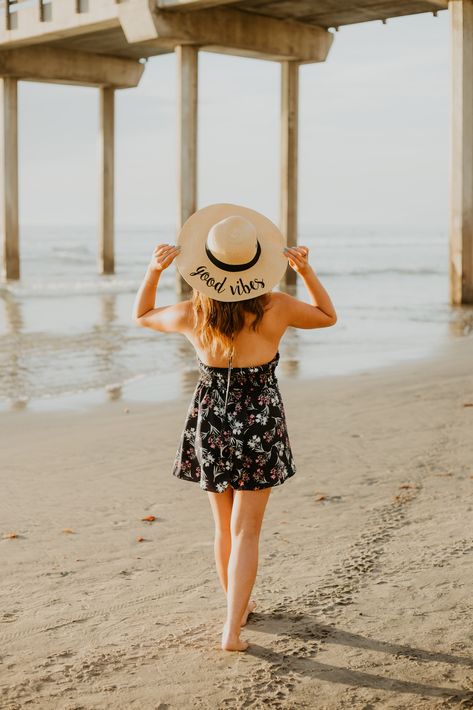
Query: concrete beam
point(192, 4)
point(106, 168)
point(187, 103)
point(289, 154)
point(65, 66)
point(461, 171)
point(224, 30)
point(9, 176)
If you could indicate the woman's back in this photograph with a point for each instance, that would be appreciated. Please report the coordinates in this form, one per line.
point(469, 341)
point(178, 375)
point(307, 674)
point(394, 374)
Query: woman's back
point(252, 347)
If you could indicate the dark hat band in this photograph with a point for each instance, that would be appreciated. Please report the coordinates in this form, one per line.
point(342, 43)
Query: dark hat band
point(234, 267)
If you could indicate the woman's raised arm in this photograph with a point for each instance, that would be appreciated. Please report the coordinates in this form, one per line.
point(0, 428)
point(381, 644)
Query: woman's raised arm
point(321, 313)
point(173, 318)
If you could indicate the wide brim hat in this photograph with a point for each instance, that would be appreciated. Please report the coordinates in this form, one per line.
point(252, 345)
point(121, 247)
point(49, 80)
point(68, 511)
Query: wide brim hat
point(205, 265)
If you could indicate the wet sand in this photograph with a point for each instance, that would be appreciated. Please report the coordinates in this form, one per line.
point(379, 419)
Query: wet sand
point(366, 556)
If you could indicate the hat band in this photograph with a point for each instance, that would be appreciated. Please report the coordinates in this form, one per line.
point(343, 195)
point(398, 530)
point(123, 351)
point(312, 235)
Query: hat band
point(234, 267)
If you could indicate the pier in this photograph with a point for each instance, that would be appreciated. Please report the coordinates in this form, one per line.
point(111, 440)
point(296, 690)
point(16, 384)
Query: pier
point(105, 44)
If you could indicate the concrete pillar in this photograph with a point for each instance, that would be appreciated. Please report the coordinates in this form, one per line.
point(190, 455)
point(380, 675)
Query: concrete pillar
point(106, 258)
point(289, 142)
point(461, 170)
point(9, 176)
point(187, 95)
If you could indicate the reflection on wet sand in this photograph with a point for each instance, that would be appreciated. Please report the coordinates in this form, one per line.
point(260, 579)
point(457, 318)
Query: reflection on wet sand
point(187, 375)
point(290, 365)
point(461, 322)
point(106, 348)
point(114, 392)
point(22, 352)
point(12, 366)
point(50, 351)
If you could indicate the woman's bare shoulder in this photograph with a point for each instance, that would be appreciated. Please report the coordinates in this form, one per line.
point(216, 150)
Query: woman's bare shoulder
point(278, 308)
point(276, 295)
point(280, 298)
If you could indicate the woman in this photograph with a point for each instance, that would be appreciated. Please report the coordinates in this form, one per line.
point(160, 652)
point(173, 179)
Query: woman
point(235, 442)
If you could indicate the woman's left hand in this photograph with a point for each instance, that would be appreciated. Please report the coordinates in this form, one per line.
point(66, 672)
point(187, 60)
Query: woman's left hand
point(163, 256)
point(298, 258)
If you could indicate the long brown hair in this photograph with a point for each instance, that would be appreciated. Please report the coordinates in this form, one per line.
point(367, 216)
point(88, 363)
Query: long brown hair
point(216, 321)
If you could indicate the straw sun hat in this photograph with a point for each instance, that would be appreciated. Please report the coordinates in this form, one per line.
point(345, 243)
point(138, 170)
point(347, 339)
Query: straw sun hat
point(230, 252)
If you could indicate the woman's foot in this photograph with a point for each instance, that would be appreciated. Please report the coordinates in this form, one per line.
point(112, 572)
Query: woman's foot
point(251, 607)
point(232, 642)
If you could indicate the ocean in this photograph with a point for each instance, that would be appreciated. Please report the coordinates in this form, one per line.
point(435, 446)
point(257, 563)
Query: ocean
point(67, 337)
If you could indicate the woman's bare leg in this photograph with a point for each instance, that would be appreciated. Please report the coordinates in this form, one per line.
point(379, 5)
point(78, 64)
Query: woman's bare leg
point(246, 520)
point(221, 504)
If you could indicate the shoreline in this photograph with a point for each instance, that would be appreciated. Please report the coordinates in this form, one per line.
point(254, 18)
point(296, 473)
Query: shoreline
point(140, 390)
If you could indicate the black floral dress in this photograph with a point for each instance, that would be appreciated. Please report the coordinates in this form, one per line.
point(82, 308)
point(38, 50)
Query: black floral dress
point(235, 431)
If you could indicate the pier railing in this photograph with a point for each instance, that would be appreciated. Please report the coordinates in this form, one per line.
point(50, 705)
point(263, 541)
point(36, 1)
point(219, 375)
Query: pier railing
point(11, 8)
point(25, 19)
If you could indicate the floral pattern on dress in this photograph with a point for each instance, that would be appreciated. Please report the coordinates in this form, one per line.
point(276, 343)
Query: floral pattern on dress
point(244, 444)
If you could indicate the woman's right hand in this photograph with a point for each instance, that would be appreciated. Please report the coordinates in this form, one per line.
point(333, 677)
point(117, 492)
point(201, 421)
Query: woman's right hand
point(298, 258)
point(163, 256)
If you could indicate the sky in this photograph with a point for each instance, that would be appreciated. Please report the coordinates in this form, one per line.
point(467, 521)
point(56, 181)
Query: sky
point(374, 135)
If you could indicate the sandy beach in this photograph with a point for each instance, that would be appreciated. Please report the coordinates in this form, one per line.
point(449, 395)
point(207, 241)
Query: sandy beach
point(366, 557)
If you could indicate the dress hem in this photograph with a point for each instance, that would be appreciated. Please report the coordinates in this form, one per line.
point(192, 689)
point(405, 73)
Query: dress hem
point(236, 488)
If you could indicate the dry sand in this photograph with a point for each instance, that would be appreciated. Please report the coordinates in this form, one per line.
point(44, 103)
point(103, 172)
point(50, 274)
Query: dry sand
point(364, 597)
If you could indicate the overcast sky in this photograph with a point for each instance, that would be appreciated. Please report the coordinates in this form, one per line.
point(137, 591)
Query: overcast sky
point(373, 145)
